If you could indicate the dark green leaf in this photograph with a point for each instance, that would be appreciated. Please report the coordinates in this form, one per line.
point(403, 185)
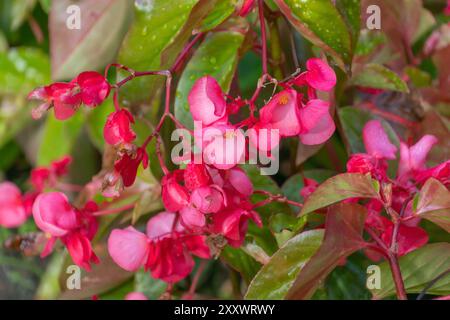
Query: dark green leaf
point(351, 12)
point(241, 262)
point(146, 284)
point(321, 23)
point(155, 27)
point(417, 271)
point(222, 10)
point(276, 277)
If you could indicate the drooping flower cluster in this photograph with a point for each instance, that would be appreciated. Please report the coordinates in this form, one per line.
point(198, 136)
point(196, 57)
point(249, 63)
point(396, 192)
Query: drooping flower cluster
point(53, 214)
point(89, 88)
point(412, 173)
point(15, 207)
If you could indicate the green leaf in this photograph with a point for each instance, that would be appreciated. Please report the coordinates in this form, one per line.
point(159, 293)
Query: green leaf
point(277, 276)
point(216, 56)
point(343, 236)
point(155, 27)
point(23, 69)
point(58, 138)
point(46, 4)
point(320, 23)
point(152, 288)
point(95, 44)
point(241, 262)
point(351, 12)
point(338, 188)
point(418, 77)
point(434, 203)
point(222, 10)
point(20, 9)
point(417, 271)
point(353, 121)
point(379, 77)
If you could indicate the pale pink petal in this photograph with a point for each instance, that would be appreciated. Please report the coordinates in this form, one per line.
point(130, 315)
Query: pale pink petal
point(192, 218)
point(419, 151)
point(128, 248)
point(206, 101)
point(377, 141)
point(240, 181)
point(135, 296)
point(317, 124)
point(161, 225)
point(12, 210)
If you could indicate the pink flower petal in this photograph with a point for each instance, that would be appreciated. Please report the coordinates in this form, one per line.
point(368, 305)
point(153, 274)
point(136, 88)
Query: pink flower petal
point(128, 248)
point(54, 214)
point(206, 101)
point(240, 181)
point(317, 124)
point(282, 113)
point(12, 210)
point(135, 296)
point(192, 218)
point(160, 226)
point(377, 141)
point(320, 75)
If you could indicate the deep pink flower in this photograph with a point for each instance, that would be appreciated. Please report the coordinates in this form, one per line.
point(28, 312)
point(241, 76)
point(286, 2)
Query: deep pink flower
point(441, 172)
point(128, 165)
point(282, 113)
point(195, 176)
point(377, 141)
point(365, 163)
point(42, 177)
point(90, 88)
point(310, 185)
point(117, 128)
point(317, 125)
point(247, 6)
point(192, 218)
point(408, 238)
point(239, 180)
point(447, 9)
point(206, 101)
point(208, 199)
point(54, 215)
point(412, 159)
point(319, 75)
point(263, 137)
point(174, 196)
point(232, 223)
point(12, 209)
point(94, 88)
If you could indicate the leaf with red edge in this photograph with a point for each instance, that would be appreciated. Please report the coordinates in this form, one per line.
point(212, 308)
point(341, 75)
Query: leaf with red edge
point(343, 236)
point(341, 187)
point(434, 203)
point(103, 26)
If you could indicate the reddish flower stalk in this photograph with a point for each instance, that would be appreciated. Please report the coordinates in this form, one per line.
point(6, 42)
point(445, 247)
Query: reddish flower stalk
point(263, 35)
point(274, 197)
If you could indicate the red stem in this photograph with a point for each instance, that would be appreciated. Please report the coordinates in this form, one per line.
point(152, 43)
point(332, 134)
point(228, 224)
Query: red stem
point(263, 35)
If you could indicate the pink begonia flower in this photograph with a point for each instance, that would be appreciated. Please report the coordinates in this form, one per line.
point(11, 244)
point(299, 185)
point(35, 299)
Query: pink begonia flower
point(94, 88)
point(317, 125)
point(90, 88)
point(117, 128)
point(247, 6)
point(319, 75)
point(310, 185)
point(12, 209)
point(54, 214)
point(447, 9)
point(377, 141)
point(440, 172)
point(207, 102)
point(263, 137)
point(282, 113)
point(208, 199)
point(192, 218)
point(135, 296)
point(174, 195)
point(240, 181)
point(128, 165)
point(195, 176)
point(408, 238)
point(128, 248)
point(224, 146)
point(75, 228)
point(42, 177)
point(412, 159)
point(232, 223)
point(365, 163)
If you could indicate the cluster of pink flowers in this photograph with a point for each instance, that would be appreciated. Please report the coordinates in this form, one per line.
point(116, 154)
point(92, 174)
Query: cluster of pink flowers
point(412, 173)
point(15, 208)
point(89, 88)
